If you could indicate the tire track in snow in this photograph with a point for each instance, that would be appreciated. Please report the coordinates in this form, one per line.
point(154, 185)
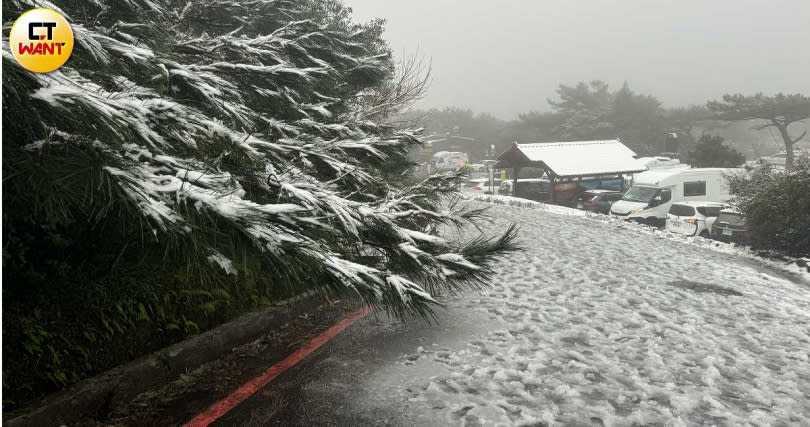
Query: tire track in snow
point(597, 334)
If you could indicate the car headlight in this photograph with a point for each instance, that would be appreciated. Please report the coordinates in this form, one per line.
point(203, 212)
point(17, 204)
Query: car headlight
point(636, 210)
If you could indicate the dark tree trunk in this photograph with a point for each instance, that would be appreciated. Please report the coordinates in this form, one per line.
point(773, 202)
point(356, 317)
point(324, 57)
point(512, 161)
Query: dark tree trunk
point(788, 146)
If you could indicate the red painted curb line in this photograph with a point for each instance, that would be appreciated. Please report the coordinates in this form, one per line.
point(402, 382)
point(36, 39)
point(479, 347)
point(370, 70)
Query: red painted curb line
point(241, 394)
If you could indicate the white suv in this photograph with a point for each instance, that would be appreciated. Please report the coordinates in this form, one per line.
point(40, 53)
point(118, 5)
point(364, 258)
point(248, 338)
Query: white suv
point(693, 218)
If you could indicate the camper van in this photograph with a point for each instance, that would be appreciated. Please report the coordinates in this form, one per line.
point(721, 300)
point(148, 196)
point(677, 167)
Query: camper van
point(649, 198)
point(444, 161)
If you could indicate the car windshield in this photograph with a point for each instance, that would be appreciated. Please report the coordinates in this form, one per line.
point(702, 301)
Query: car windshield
point(731, 219)
point(640, 194)
point(681, 210)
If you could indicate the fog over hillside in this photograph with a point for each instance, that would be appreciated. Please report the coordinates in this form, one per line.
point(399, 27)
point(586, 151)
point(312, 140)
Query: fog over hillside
point(507, 57)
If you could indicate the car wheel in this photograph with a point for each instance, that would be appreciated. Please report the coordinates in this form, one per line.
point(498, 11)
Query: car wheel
point(705, 234)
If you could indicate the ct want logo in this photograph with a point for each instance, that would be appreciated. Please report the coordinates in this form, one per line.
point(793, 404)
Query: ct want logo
point(32, 26)
point(41, 40)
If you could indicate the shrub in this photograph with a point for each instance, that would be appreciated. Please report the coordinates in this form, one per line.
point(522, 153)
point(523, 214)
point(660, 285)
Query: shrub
point(777, 207)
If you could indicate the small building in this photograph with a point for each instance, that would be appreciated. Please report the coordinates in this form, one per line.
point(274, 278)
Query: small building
point(568, 166)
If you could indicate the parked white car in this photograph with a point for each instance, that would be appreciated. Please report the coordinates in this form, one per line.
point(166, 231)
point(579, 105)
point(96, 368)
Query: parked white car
point(653, 192)
point(693, 218)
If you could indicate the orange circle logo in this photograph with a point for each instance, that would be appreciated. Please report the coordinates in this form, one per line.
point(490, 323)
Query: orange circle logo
point(41, 40)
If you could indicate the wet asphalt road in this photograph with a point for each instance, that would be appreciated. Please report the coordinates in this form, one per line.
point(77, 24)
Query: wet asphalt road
point(362, 377)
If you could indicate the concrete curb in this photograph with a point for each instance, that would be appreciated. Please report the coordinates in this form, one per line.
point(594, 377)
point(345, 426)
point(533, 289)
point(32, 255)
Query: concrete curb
point(107, 390)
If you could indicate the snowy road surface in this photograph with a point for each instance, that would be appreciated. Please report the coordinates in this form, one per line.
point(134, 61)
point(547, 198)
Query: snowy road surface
point(591, 325)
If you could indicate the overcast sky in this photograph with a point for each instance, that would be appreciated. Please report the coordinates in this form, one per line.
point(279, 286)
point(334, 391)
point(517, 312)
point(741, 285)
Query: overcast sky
point(508, 56)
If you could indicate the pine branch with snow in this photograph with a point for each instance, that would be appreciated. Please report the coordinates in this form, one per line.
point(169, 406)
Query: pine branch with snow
point(232, 134)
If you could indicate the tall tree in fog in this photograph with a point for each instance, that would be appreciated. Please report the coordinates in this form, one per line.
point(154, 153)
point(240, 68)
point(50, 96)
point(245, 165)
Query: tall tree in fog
point(778, 111)
point(592, 111)
point(582, 98)
point(586, 107)
point(711, 152)
point(638, 120)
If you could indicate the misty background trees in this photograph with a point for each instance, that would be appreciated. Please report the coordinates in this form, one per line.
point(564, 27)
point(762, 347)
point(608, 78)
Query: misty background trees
point(719, 134)
point(779, 111)
point(593, 110)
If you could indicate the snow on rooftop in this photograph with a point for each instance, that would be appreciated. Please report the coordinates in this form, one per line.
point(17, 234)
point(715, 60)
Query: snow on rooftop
point(653, 177)
point(661, 162)
point(578, 158)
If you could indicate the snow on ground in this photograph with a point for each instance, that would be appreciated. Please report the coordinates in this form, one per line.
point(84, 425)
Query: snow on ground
point(730, 248)
point(599, 325)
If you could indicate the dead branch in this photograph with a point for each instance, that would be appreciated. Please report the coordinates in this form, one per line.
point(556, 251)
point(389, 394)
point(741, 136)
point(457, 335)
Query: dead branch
point(408, 85)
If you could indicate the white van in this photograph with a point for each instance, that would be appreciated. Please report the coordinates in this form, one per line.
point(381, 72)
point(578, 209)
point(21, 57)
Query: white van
point(443, 161)
point(649, 198)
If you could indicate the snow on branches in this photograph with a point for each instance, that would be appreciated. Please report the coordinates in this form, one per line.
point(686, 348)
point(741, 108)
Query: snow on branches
point(218, 122)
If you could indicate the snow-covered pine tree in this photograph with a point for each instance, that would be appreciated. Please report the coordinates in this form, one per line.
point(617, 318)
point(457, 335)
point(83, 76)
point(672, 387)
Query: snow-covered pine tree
point(220, 138)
